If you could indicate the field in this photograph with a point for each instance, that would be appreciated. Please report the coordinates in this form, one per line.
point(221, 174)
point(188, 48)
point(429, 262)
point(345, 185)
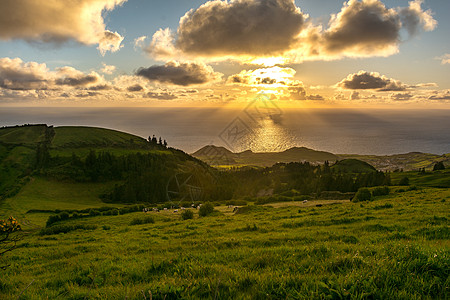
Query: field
point(395, 247)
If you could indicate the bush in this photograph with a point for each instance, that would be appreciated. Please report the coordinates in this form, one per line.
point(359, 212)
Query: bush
point(140, 221)
point(64, 216)
point(65, 228)
point(187, 214)
point(380, 191)
point(439, 166)
point(404, 181)
point(94, 213)
point(206, 209)
point(363, 194)
point(52, 219)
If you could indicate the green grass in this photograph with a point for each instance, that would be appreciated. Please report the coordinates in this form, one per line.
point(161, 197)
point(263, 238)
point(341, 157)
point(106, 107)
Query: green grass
point(430, 178)
point(72, 136)
point(28, 135)
point(83, 152)
point(395, 247)
point(44, 194)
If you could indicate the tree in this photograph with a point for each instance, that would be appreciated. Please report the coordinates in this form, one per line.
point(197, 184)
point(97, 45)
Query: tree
point(439, 166)
point(8, 236)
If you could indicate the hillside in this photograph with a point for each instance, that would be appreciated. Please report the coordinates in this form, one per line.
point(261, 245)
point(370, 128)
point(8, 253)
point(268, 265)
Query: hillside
point(220, 156)
point(37, 161)
point(214, 155)
point(352, 166)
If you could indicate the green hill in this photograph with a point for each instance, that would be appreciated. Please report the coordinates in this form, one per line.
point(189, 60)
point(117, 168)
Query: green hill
point(46, 167)
point(352, 166)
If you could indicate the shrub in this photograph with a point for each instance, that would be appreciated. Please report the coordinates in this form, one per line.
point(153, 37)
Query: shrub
point(404, 181)
point(52, 219)
point(380, 191)
point(65, 228)
point(439, 166)
point(363, 194)
point(187, 214)
point(94, 212)
point(64, 215)
point(206, 209)
point(106, 227)
point(140, 221)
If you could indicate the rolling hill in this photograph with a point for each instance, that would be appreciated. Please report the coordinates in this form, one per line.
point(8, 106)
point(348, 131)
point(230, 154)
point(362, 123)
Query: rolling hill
point(45, 167)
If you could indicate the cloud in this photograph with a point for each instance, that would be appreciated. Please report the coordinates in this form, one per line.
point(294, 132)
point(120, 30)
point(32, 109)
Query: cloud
point(366, 27)
point(370, 81)
point(180, 73)
point(59, 21)
point(401, 96)
point(161, 95)
point(264, 76)
point(111, 41)
point(315, 97)
point(445, 59)
point(18, 75)
point(139, 42)
point(135, 88)
point(72, 77)
point(107, 69)
point(236, 28)
point(271, 32)
point(240, 27)
point(414, 18)
point(440, 96)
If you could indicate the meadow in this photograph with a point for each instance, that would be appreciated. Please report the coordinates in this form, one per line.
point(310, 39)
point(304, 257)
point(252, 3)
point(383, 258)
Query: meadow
point(394, 247)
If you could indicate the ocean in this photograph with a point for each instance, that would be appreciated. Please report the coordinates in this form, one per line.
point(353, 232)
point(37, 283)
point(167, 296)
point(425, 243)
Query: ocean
point(349, 131)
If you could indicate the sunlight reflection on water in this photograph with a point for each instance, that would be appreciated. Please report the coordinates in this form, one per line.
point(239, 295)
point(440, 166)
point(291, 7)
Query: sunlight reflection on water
point(267, 136)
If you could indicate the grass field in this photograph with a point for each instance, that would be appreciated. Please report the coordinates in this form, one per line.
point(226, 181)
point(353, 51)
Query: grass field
point(40, 193)
point(395, 247)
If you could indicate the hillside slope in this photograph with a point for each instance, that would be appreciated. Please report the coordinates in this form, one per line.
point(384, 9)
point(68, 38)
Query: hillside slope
point(118, 167)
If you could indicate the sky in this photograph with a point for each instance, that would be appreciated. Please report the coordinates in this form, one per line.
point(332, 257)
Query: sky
point(309, 53)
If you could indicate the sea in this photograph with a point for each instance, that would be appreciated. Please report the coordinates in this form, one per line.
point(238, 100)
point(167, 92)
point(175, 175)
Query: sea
point(336, 130)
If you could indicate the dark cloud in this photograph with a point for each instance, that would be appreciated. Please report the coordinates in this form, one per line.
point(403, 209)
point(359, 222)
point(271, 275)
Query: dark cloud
point(77, 81)
point(135, 88)
point(18, 75)
point(100, 87)
point(401, 96)
point(249, 30)
point(414, 18)
point(315, 97)
point(440, 96)
point(57, 22)
point(244, 27)
point(161, 95)
point(185, 73)
point(363, 26)
point(370, 81)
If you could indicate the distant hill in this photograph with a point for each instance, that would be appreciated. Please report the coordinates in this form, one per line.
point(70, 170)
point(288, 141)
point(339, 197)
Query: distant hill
point(407, 161)
point(352, 166)
point(215, 155)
